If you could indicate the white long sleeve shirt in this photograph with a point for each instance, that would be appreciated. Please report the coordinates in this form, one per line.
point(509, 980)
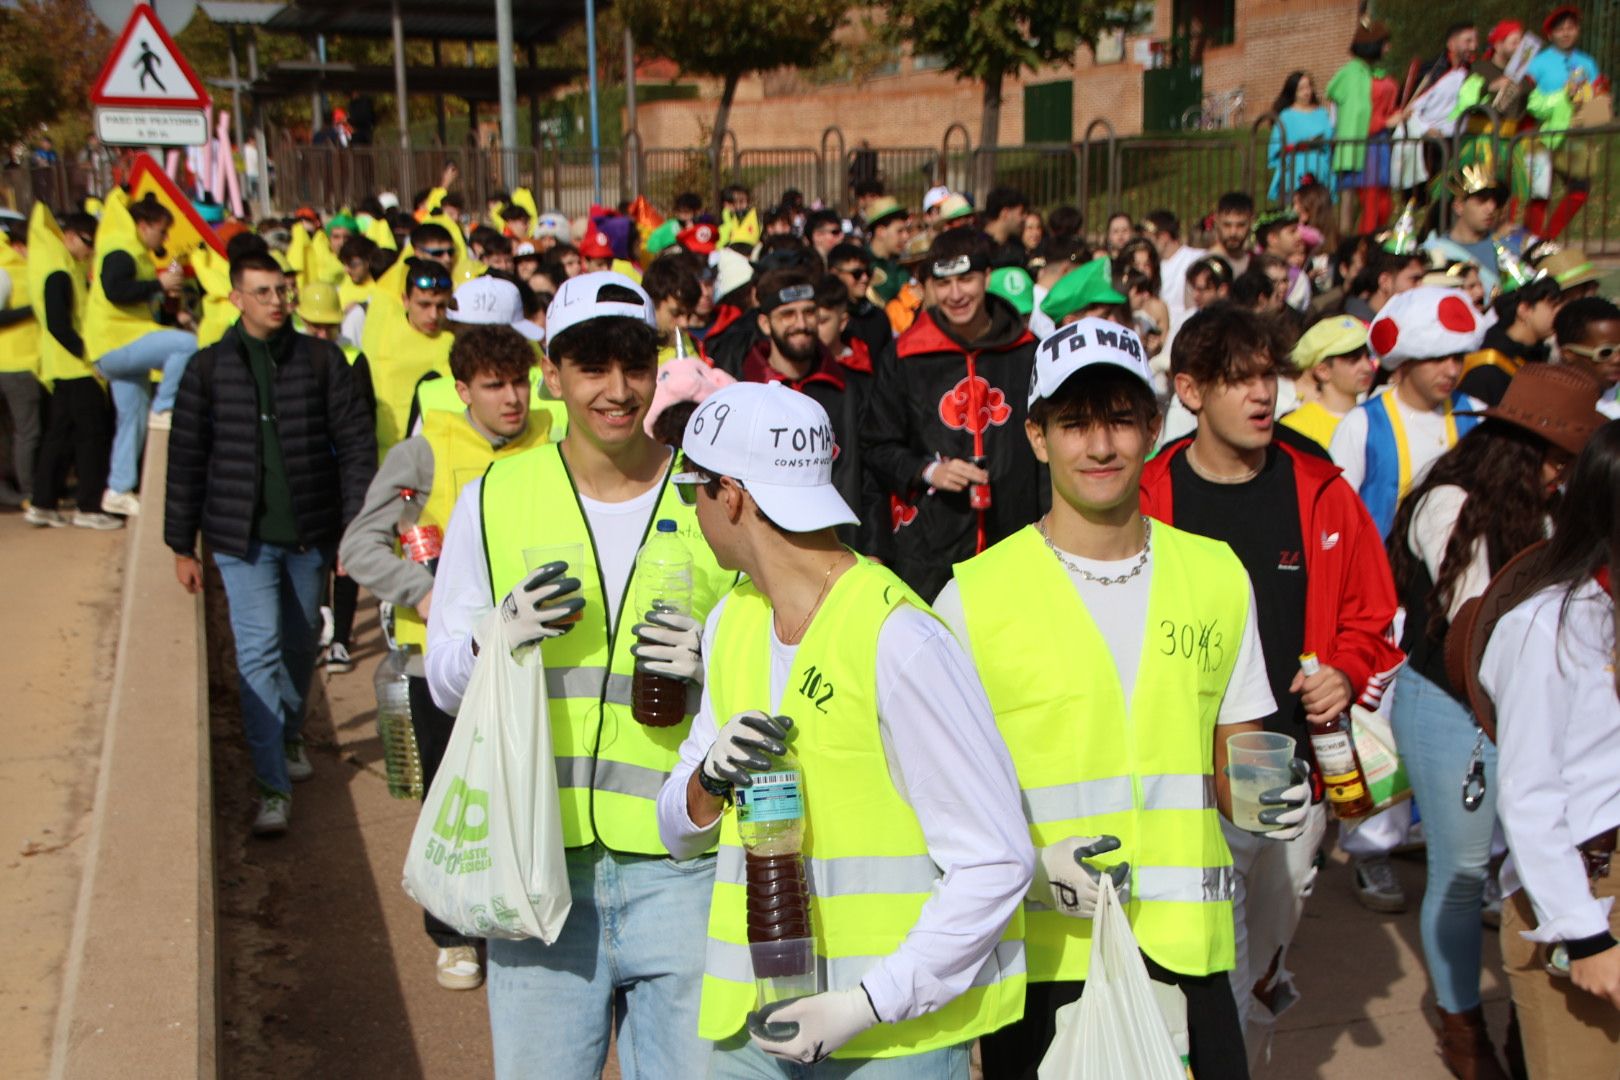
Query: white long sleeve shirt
point(1558, 743)
point(948, 761)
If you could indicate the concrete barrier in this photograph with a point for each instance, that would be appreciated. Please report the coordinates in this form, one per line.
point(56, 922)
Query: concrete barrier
point(139, 994)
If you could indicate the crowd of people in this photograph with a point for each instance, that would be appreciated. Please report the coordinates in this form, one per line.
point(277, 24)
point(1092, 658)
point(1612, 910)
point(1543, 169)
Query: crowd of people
point(1003, 526)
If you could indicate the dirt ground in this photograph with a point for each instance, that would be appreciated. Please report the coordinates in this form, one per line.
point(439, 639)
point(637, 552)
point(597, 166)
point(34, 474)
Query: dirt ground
point(60, 633)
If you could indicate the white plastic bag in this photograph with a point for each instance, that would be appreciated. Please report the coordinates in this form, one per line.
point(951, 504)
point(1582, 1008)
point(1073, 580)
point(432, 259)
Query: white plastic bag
point(1118, 1029)
point(487, 855)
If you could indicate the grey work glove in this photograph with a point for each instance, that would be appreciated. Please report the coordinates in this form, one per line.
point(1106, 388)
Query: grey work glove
point(745, 746)
point(1064, 880)
point(808, 1029)
point(669, 643)
point(532, 611)
point(1288, 806)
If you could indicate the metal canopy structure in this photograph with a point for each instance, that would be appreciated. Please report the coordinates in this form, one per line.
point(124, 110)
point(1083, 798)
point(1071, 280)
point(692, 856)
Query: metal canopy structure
point(292, 78)
point(535, 22)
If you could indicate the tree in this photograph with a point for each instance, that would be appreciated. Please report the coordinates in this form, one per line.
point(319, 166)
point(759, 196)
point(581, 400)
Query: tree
point(992, 40)
point(50, 53)
point(727, 39)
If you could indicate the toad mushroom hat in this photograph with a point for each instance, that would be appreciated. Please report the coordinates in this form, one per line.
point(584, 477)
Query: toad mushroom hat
point(1425, 323)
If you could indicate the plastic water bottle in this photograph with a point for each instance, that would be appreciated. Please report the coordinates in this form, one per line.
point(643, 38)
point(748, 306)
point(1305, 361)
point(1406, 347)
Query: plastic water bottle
point(421, 543)
point(401, 758)
point(663, 583)
point(770, 825)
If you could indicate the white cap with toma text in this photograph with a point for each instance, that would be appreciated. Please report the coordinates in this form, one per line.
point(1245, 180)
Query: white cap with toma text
point(579, 299)
point(1080, 345)
point(779, 444)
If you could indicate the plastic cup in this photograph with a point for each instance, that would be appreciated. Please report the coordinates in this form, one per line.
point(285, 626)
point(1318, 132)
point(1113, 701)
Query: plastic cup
point(1257, 762)
point(784, 969)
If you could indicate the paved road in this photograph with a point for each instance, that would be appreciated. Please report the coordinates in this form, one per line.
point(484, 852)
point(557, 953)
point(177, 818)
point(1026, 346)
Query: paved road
point(331, 975)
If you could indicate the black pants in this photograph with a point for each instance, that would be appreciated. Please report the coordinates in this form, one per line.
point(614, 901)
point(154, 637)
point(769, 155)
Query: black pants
point(432, 726)
point(345, 598)
point(78, 432)
point(1015, 1052)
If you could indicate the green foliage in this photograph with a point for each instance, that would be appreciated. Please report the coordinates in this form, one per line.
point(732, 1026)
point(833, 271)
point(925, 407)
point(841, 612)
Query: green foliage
point(30, 89)
point(1419, 30)
point(730, 38)
point(993, 39)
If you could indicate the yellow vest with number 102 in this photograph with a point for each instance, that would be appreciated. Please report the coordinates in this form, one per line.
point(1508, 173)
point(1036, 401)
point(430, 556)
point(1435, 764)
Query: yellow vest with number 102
point(609, 767)
point(864, 849)
point(460, 453)
point(1089, 765)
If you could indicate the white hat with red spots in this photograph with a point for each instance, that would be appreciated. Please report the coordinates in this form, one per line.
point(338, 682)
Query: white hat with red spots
point(1425, 323)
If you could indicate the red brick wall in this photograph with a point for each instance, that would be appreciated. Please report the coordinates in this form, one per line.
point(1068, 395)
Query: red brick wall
point(1273, 37)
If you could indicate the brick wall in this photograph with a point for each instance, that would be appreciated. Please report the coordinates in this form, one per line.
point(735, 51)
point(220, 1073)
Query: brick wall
point(1273, 37)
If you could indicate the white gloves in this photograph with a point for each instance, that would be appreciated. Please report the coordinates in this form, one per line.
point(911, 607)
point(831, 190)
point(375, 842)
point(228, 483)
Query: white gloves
point(1288, 806)
point(669, 643)
point(808, 1029)
point(1064, 880)
point(529, 614)
point(744, 747)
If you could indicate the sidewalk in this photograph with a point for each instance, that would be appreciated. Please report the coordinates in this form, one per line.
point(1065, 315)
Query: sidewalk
point(61, 590)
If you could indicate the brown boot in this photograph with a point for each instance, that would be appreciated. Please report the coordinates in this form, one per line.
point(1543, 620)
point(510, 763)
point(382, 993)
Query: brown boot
point(1465, 1046)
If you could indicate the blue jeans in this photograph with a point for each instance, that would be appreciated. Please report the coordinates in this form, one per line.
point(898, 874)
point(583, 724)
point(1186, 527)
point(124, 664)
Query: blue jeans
point(1436, 734)
point(128, 371)
point(740, 1059)
point(274, 595)
point(629, 960)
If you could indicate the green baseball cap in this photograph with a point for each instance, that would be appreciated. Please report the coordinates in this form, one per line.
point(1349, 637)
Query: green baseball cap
point(662, 237)
point(1013, 285)
point(1082, 288)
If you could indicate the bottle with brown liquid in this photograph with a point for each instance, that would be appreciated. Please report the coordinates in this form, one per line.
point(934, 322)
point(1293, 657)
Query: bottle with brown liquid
point(663, 583)
point(770, 825)
point(1335, 752)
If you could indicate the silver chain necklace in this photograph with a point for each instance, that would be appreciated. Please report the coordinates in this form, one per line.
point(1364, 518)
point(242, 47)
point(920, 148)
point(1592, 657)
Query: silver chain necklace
point(1075, 568)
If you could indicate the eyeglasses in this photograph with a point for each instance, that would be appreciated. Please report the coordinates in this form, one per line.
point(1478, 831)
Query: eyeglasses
point(436, 253)
point(1598, 354)
point(265, 294)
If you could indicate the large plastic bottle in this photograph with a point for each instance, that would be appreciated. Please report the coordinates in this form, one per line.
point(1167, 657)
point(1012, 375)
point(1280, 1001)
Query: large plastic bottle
point(400, 755)
point(663, 583)
point(770, 826)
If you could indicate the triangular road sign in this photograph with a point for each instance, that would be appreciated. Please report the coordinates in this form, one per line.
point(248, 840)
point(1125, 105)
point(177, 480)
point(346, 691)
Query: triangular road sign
point(146, 69)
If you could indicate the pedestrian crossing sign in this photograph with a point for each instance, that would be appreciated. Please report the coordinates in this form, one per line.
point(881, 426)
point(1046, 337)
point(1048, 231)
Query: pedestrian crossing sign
point(147, 70)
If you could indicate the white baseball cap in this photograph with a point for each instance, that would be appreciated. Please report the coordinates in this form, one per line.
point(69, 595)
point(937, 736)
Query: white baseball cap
point(490, 301)
point(934, 197)
point(579, 300)
point(554, 225)
point(1080, 345)
point(732, 271)
point(778, 444)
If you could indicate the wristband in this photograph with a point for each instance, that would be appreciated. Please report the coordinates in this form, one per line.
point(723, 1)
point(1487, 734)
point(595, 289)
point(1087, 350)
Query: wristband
point(1586, 947)
point(718, 788)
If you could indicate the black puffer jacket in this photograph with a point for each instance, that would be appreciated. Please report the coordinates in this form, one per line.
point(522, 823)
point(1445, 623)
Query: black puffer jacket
point(328, 442)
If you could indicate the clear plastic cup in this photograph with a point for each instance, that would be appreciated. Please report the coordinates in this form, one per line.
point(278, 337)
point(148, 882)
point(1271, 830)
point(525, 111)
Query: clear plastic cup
point(1257, 762)
point(784, 969)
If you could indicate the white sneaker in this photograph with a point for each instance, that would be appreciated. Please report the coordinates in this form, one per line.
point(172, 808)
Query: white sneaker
point(91, 519)
point(326, 626)
point(274, 810)
point(459, 969)
point(298, 766)
point(125, 503)
point(158, 421)
point(337, 659)
point(44, 519)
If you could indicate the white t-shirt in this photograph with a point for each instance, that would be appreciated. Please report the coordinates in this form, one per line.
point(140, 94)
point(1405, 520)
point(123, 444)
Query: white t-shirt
point(617, 529)
point(1609, 403)
point(1173, 280)
point(1425, 439)
point(1120, 612)
point(1040, 323)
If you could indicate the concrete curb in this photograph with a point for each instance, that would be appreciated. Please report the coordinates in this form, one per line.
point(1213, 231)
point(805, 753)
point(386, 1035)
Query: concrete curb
point(139, 990)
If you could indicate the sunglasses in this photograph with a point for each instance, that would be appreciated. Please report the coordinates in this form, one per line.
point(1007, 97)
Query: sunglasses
point(689, 478)
point(432, 282)
point(856, 271)
point(436, 253)
point(1600, 354)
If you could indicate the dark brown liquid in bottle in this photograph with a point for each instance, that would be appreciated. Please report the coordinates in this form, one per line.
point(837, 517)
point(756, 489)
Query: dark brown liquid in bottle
point(778, 906)
point(657, 700)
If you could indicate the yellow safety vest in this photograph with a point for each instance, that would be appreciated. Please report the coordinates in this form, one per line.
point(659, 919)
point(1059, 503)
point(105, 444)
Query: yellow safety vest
point(439, 395)
point(19, 342)
point(460, 453)
point(1088, 765)
point(109, 326)
point(47, 255)
point(1314, 421)
point(609, 767)
point(398, 355)
point(864, 849)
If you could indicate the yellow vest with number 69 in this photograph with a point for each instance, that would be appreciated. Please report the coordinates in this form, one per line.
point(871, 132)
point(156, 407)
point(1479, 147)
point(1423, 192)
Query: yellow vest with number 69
point(1089, 764)
point(864, 849)
point(609, 767)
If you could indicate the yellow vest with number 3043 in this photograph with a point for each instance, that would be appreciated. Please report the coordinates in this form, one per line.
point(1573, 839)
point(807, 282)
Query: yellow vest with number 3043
point(1091, 765)
point(864, 849)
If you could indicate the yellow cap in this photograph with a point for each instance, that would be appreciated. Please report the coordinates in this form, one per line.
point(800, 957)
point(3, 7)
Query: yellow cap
point(1333, 336)
point(318, 303)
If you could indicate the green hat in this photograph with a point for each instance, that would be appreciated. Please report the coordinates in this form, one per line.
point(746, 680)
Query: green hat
point(663, 236)
point(1079, 289)
point(1403, 238)
point(954, 207)
point(343, 221)
point(1013, 285)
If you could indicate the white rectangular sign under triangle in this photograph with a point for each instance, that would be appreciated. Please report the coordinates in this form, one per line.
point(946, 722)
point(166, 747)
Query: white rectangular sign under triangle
point(146, 93)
